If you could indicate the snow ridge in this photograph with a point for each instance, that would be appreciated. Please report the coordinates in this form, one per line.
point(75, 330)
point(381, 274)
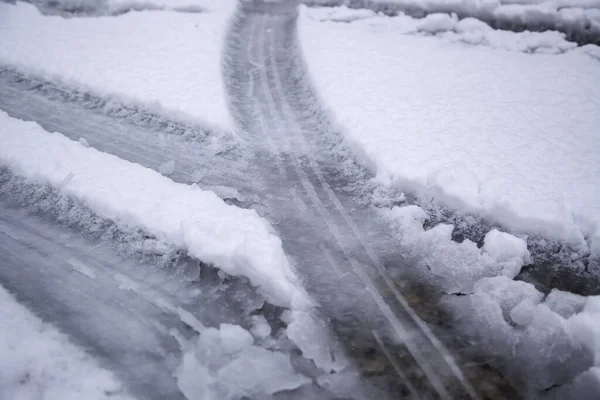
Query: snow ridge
point(578, 20)
point(186, 216)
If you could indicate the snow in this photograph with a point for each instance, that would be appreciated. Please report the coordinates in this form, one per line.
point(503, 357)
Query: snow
point(479, 126)
point(82, 268)
point(236, 240)
point(534, 340)
point(169, 61)
point(167, 168)
point(260, 327)
point(224, 363)
point(538, 341)
point(84, 142)
point(455, 267)
point(39, 362)
point(572, 15)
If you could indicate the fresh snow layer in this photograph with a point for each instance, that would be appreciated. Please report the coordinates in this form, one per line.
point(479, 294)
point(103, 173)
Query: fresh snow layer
point(509, 135)
point(236, 240)
point(39, 362)
point(167, 60)
point(456, 267)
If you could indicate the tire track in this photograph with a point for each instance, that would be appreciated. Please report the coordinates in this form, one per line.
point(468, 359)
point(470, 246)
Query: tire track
point(347, 252)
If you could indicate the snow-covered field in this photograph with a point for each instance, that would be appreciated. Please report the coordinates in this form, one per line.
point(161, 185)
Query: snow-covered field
point(497, 124)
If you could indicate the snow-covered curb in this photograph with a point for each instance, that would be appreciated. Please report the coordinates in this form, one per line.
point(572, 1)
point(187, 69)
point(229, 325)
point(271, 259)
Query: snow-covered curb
point(37, 361)
point(236, 240)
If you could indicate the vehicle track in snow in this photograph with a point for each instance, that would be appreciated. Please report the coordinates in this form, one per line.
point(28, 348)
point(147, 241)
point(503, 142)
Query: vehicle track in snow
point(331, 234)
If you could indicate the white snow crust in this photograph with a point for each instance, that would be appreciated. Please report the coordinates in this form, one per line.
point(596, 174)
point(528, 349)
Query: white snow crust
point(166, 60)
point(39, 362)
point(236, 240)
point(481, 128)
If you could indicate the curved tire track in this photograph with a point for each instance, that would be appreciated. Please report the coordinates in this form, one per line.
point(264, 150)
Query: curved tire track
point(262, 63)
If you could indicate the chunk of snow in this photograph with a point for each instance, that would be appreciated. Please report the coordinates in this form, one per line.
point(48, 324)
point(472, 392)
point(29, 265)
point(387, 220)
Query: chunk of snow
point(167, 168)
point(37, 361)
point(434, 23)
point(234, 338)
point(564, 303)
point(312, 337)
point(544, 348)
point(196, 176)
point(522, 314)
point(508, 250)
point(470, 25)
point(225, 363)
point(345, 14)
point(260, 326)
point(82, 268)
point(225, 192)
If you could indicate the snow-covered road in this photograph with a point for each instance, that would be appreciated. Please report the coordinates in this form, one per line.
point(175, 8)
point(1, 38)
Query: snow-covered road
point(113, 254)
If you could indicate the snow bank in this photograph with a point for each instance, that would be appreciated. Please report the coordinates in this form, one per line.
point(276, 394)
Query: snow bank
point(168, 61)
point(235, 240)
point(224, 363)
point(448, 26)
point(578, 17)
point(507, 135)
point(37, 361)
point(455, 267)
point(538, 341)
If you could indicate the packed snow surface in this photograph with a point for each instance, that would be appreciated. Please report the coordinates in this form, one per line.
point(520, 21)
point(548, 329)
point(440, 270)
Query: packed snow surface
point(236, 240)
point(39, 362)
point(167, 60)
point(480, 125)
